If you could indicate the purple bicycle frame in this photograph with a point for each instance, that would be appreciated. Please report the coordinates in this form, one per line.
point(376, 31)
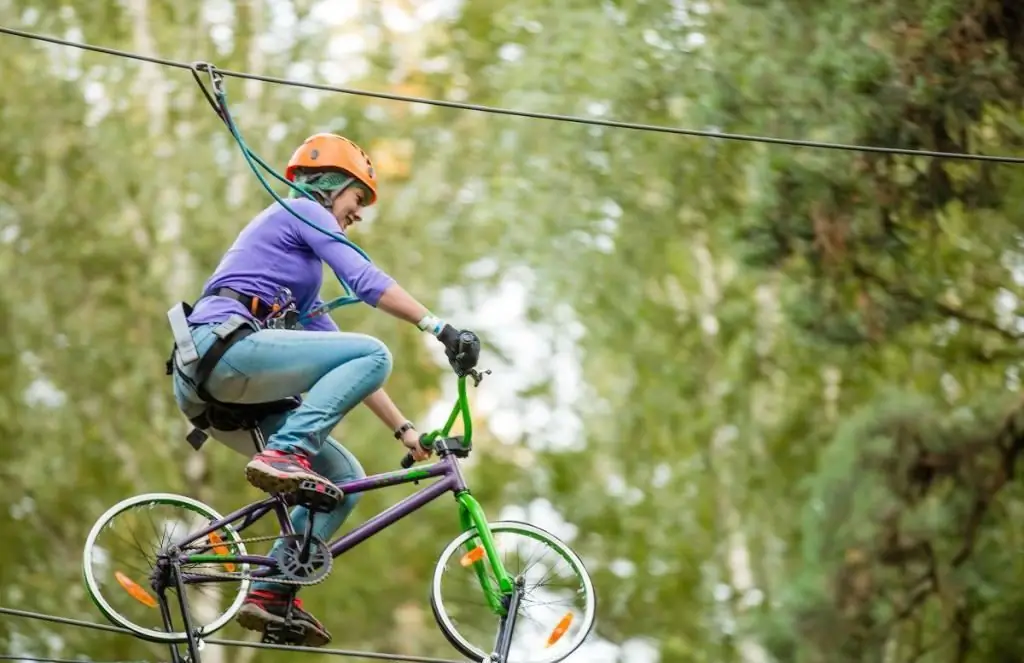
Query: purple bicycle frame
point(447, 468)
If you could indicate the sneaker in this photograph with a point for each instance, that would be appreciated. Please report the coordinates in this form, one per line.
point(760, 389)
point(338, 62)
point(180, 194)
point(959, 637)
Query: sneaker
point(262, 608)
point(280, 472)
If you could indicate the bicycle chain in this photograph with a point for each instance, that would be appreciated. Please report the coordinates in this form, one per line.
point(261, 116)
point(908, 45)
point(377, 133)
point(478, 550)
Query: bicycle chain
point(316, 579)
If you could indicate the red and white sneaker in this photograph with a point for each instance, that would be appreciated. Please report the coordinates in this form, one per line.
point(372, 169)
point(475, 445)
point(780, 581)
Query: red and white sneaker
point(281, 472)
point(262, 608)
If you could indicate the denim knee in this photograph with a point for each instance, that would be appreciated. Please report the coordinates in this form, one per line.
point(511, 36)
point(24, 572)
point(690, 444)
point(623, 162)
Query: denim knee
point(384, 361)
point(349, 502)
point(340, 466)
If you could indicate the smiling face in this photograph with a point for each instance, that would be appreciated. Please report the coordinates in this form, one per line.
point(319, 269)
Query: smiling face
point(347, 205)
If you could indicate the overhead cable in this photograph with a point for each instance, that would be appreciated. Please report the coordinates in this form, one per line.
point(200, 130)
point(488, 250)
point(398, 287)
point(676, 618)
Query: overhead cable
point(67, 621)
point(576, 119)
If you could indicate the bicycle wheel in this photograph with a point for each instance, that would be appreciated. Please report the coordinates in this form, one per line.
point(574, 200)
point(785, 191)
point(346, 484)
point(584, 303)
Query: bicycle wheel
point(122, 590)
point(551, 623)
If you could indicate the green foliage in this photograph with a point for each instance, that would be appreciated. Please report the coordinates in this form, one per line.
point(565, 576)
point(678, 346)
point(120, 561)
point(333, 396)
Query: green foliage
point(113, 209)
point(790, 369)
point(899, 537)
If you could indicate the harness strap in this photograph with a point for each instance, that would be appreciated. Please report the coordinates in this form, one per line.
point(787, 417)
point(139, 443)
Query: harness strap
point(185, 346)
point(220, 415)
point(177, 315)
point(229, 332)
point(256, 306)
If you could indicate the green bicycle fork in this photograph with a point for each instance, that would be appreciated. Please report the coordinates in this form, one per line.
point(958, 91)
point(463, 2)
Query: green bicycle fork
point(471, 516)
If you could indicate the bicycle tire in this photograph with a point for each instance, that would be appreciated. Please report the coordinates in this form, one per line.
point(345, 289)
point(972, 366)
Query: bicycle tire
point(96, 594)
point(469, 650)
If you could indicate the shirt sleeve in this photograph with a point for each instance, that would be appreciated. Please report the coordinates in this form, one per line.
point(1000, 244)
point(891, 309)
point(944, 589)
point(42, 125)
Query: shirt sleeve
point(367, 281)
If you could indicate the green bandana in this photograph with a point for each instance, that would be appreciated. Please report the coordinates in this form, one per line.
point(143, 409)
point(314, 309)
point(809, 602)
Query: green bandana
point(325, 183)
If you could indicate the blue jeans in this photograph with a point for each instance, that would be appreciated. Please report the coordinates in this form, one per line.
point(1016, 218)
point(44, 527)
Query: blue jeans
point(334, 370)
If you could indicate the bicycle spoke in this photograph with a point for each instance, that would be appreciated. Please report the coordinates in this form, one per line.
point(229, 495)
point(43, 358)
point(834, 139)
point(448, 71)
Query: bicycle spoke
point(555, 609)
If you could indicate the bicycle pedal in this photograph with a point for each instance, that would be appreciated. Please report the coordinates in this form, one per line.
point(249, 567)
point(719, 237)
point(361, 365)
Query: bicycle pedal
point(289, 633)
point(318, 497)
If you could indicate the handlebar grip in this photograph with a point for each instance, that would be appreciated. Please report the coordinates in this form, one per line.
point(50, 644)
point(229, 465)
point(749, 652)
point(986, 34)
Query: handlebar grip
point(409, 461)
point(468, 353)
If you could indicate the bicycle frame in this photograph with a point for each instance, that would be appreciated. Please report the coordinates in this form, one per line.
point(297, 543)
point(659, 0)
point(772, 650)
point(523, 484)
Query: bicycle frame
point(471, 515)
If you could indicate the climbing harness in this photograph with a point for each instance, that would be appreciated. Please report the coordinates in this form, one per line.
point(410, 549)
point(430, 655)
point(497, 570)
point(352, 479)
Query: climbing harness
point(281, 313)
point(217, 414)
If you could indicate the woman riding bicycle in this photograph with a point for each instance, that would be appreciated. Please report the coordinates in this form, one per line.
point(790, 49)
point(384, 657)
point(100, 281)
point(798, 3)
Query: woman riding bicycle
point(335, 370)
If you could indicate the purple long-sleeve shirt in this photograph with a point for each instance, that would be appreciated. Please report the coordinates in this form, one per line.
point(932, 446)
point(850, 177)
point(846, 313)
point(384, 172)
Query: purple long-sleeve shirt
point(276, 249)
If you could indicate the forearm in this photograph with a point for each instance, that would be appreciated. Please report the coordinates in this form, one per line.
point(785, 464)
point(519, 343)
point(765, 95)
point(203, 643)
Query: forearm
point(401, 304)
point(385, 409)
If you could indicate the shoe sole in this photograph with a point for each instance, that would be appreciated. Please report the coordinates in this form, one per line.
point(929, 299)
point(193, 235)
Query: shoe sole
point(254, 618)
point(272, 480)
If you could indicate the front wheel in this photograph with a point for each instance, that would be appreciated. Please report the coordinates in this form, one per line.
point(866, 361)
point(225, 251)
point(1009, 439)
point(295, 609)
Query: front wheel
point(556, 611)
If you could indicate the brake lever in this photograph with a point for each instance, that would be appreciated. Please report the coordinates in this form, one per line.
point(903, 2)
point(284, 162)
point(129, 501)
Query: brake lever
point(478, 376)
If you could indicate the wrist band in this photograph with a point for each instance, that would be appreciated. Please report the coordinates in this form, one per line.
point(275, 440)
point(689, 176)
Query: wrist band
point(430, 323)
point(401, 429)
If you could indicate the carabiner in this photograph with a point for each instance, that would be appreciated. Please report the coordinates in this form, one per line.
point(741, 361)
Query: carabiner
point(216, 78)
point(282, 299)
point(216, 82)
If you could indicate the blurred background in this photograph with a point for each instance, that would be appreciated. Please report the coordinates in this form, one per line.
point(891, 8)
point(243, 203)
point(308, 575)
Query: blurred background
point(769, 393)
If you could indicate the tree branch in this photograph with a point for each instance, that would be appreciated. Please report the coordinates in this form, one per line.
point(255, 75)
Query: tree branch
point(901, 293)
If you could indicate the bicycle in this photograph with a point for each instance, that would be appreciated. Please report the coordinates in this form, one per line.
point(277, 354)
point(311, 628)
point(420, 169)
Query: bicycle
point(307, 560)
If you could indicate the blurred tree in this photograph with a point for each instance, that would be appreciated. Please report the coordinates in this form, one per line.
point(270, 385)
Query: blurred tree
point(795, 366)
point(739, 307)
point(121, 189)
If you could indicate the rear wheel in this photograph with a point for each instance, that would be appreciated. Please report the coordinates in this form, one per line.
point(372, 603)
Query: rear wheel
point(120, 556)
point(556, 612)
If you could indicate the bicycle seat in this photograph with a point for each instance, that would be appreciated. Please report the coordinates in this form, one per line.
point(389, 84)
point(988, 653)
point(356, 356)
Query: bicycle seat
point(247, 416)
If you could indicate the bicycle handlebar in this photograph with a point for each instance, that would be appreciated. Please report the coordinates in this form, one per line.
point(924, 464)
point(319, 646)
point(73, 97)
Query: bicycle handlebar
point(408, 461)
point(461, 407)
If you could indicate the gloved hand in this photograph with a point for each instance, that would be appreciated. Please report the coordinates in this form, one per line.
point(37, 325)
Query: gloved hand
point(461, 347)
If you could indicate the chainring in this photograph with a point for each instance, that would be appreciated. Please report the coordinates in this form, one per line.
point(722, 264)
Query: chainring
point(293, 574)
point(313, 569)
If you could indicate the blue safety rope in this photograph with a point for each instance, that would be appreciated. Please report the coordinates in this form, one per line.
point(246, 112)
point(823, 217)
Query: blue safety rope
point(252, 159)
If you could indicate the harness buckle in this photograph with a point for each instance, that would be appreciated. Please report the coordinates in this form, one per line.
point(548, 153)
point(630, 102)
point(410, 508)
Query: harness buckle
point(184, 344)
point(287, 319)
point(228, 327)
point(283, 312)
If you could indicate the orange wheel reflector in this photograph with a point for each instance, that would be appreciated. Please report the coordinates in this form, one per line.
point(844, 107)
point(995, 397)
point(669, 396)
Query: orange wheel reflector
point(220, 549)
point(135, 590)
point(474, 555)
point(563, 626)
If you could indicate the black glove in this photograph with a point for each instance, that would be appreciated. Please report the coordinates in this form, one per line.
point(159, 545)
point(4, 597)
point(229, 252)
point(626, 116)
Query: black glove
point(461, 347)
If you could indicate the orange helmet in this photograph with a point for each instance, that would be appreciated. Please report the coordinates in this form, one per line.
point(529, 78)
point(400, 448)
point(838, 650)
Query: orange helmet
point(331, 151)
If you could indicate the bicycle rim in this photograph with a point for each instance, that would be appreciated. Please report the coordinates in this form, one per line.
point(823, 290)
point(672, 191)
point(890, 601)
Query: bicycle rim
point(565, 625)
point(94, 556)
